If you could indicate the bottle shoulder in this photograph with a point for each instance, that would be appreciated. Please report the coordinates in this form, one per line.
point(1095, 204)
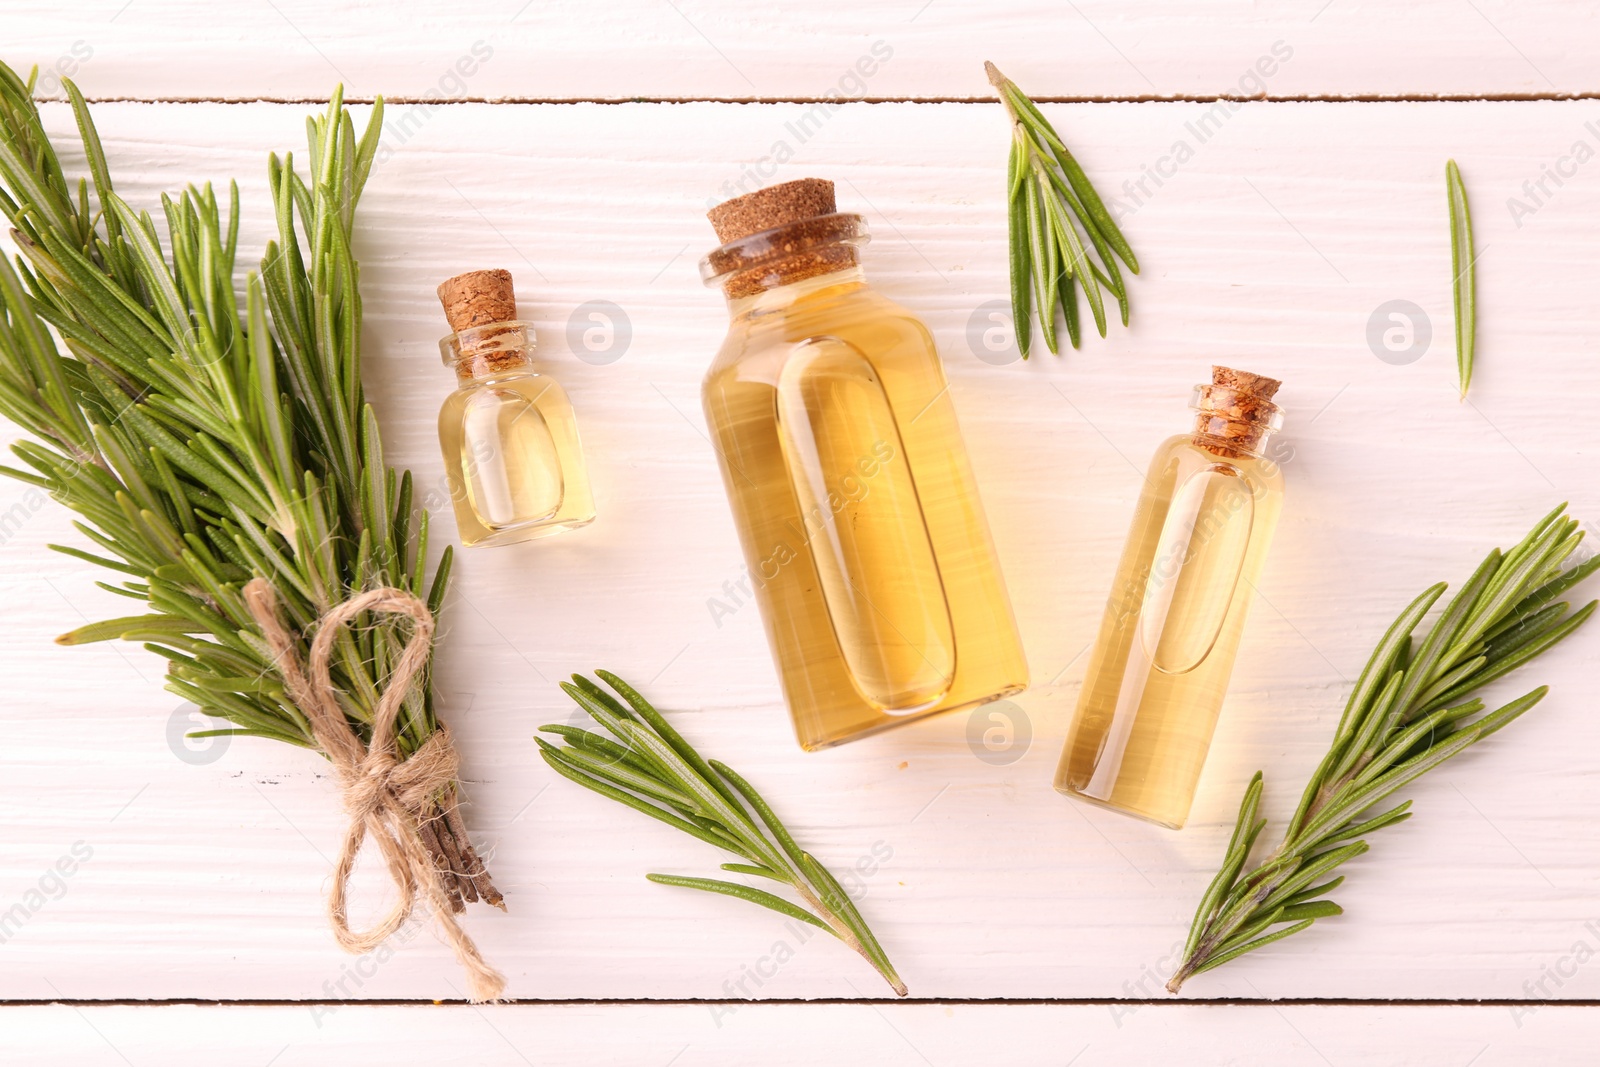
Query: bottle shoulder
point(756, 345)
point(529, 387)
point(1181, 455)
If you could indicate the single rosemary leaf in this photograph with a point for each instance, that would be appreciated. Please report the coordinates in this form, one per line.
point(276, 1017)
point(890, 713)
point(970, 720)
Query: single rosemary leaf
point(1021, 264)
point(149, 627)
point(646, 763)
point(1311, 909)
point(743, 892)
point(1043, 254)
point(1401, 721)
point(752, 869)
point(1463, 270)
point(1068, 288)
point(1316, 892)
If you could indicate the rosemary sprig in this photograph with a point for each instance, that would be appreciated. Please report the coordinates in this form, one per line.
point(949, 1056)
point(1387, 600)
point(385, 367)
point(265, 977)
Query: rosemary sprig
point(1410, 711)
point(1463, 269)
point(1049, 201)
point(647, 765)
point(208, 436)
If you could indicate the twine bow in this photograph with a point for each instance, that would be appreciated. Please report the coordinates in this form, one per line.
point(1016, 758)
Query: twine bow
point(385, 796)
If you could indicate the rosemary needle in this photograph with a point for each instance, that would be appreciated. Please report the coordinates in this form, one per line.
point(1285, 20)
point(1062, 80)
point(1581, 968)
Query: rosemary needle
point(647, 765)
point(1411, 710)
point(1463, 268)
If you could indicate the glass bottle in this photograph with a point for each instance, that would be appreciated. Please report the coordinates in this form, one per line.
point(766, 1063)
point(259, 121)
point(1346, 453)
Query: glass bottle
point(864, 539)
point(510, 442)
point(1172, 625)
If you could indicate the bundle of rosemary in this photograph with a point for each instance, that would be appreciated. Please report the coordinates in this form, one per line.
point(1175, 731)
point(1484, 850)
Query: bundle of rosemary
point(230, 472)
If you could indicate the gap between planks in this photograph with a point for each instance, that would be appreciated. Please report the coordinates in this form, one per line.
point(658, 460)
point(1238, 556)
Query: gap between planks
point(391, 1002)
point(1153, 98)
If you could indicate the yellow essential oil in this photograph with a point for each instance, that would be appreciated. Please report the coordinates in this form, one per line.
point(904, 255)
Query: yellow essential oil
point(508, 435)
point(866, 544)
point(1160, 667)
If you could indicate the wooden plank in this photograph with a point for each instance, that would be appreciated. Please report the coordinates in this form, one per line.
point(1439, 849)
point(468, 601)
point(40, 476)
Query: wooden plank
point(686, 1035)
point(920, 48)
point(1269, 246)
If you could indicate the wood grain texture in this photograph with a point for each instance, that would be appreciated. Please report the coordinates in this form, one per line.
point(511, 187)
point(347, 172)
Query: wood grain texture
point(696, 1035)
point(1268, 249)
point(292, 49)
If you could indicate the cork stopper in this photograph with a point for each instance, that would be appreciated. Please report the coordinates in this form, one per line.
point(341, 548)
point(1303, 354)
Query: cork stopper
point(1234, 415)
point(774, 206)
point(781, 234)
point(478, 298)
point(485, 338)
point(1258, 385)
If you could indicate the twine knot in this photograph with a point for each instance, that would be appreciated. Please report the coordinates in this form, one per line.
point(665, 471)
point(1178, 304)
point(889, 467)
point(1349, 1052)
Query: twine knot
point(388, 799)
point(363, 793)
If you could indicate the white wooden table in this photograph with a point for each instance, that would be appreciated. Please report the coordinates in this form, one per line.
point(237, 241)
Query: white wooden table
point(580, 148)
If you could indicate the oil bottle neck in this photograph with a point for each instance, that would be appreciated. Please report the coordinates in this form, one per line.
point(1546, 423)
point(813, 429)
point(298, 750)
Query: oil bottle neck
point(490, 352)
point(781, 297)
point(788, 260)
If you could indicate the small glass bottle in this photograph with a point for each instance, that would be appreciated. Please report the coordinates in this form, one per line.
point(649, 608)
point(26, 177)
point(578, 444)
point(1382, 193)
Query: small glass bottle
point(865, 542)
point(1172, 625)
point(510, 441)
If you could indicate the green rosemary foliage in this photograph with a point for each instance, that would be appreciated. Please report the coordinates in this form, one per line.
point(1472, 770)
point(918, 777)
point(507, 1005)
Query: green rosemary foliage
point(1410, 711)
point(647, 765)
point(202, 442)
point(1049, 201)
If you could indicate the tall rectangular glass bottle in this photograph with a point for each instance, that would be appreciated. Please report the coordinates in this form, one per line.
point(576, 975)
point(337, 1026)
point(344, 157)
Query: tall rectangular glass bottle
point(866, 544)
point(1172, 625)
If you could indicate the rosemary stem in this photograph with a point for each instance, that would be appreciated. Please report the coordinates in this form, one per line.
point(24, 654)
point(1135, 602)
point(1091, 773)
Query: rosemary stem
point(652, 768)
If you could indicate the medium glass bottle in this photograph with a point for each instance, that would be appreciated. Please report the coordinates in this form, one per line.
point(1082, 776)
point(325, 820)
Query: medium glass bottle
point(510, 442)
point(1172, 625)
point(863, 535)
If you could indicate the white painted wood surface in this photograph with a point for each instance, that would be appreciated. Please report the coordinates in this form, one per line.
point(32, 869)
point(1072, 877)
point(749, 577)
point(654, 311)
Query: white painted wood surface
point(707, 1035)
point(569, 49)
point(1269, 246)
